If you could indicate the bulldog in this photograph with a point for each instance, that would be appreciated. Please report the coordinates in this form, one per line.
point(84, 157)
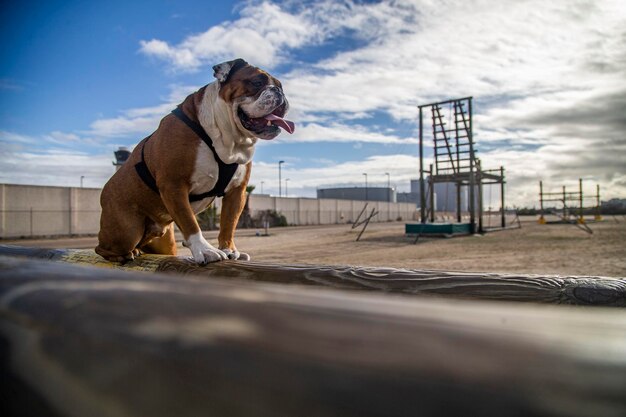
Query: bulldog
point(200, 151)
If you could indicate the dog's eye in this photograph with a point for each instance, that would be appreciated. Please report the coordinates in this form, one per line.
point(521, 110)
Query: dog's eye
point(257, 84)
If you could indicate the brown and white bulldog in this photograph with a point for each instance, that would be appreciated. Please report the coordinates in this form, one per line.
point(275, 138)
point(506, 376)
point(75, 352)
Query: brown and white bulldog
point(170, 175)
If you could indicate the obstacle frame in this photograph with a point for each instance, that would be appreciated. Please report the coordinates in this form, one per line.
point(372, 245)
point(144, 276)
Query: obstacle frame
point(564, 197)
point(455, 162)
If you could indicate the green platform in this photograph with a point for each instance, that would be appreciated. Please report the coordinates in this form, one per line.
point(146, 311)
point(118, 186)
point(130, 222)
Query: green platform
point(437, 229)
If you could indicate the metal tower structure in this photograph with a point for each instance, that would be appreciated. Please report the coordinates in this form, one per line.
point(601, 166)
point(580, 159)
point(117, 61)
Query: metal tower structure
point(455, 160)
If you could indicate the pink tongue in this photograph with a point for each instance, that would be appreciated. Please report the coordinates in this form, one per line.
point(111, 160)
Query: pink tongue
point(288, 125)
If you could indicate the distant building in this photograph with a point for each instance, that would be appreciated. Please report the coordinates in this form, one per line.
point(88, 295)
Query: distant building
point(445, 196)
point(121, 156)
point(614, 204)
point(408, 198)
point(359, 193)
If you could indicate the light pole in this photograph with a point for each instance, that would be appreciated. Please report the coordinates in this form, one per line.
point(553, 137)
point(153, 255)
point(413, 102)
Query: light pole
point(280, 190)
point(388, 186)
point(262, 182)
point(366, 199)
point(286, 189)
point(82, 177)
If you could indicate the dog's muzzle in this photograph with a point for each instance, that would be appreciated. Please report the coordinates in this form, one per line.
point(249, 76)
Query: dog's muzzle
point(265, 116)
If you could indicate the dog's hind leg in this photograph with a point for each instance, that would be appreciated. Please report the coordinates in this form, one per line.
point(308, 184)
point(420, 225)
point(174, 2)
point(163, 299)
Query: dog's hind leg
point(162, 245)
point(119, 235)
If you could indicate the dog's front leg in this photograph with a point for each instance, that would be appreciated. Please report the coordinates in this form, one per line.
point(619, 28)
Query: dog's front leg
point(176, 200)
point(233, 204)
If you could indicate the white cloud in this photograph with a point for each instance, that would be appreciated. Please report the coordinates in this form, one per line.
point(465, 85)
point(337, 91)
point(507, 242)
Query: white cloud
point(123, 125)
point(266, 32)
point(473, 47)
point(14, 141)
point(140, 121)
point(61, 138)
point(263, 34)
point(7, 138)
point(60, 168)
point(339, 132)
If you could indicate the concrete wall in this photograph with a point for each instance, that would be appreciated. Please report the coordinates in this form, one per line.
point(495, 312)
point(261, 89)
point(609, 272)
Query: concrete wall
point(29, 211)
point(358, 193)
point(310, 211)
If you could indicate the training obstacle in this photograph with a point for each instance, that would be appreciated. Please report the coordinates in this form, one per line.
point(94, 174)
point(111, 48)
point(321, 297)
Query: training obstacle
point(437, 229)
point(591, 291)
point(455, 162)
point(365, 222)
point(565, 197)
point(78, 340)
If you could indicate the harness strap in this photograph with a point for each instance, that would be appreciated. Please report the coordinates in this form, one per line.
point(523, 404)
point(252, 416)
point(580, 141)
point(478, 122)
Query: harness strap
point(144, 172)
point(225, 173)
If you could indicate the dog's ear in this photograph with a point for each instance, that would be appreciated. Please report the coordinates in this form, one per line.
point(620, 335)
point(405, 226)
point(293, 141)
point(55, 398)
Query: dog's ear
point(226, 69)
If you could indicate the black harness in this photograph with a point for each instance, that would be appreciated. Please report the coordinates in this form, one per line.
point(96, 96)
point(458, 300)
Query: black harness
point(225, 174)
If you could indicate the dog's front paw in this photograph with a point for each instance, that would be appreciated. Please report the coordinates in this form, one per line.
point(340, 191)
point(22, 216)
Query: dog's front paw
point(235, 254)
point(202, 251)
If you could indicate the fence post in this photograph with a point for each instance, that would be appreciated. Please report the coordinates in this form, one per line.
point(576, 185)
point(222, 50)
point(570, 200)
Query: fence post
point(77, 221)
point(319, 211)
point(3, 219)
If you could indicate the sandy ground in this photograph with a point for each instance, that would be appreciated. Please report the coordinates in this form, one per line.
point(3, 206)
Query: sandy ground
point(542, 249)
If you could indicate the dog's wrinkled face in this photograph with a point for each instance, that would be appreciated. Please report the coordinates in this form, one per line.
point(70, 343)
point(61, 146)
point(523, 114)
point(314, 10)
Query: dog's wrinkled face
point(257, 99)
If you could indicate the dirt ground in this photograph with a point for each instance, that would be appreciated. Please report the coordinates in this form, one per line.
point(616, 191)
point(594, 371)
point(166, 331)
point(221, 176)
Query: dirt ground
point(559, 249)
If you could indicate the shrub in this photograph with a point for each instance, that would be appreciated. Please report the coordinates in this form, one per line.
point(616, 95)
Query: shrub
point(274, 219)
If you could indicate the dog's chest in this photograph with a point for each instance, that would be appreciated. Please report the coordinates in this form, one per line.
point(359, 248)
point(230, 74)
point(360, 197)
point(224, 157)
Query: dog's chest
point(205, 175)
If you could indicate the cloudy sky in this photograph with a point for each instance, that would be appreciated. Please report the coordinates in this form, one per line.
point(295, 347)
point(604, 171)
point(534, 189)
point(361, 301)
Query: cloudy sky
point(78, 79)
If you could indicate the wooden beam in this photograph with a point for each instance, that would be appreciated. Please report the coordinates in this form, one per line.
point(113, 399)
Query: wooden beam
point(592, 291)
point(77, 341)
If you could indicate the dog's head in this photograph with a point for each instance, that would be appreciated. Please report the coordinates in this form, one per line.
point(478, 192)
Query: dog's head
point(256, 98)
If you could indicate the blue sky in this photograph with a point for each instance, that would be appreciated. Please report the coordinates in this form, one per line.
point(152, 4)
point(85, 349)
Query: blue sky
point(78, 79)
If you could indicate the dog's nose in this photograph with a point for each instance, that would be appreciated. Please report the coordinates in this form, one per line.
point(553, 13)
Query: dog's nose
point(275, 89)
point(278, 92)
